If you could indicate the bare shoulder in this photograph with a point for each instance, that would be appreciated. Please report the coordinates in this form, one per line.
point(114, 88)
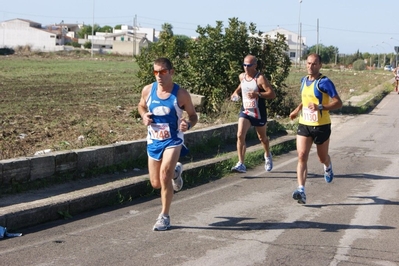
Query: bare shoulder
point(146, 90)
point(262, 79)
point(183, 93)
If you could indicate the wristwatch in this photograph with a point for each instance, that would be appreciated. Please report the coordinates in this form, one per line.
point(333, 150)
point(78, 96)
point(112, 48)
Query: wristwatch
point(320, 107)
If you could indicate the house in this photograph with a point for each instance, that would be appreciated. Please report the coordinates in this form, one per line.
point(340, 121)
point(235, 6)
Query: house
point(295, 47)
point(125, 41)
point(51, 38)
point(22, 32)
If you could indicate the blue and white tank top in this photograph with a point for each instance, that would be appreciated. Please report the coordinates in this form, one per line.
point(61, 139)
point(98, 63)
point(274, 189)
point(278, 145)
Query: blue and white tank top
point(166, 115)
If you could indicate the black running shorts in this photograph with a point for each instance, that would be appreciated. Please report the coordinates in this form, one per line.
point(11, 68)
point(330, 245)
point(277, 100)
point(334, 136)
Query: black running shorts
point(319, 134)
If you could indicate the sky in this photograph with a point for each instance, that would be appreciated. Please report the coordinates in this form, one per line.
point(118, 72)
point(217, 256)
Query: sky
point(349, 25)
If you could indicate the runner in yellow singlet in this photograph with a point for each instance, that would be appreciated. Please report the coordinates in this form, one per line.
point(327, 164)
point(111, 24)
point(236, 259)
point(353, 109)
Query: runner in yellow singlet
point(318, 97)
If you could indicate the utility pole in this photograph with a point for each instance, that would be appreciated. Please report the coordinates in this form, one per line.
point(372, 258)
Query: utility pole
point(317, 38)
point(92, 33)
point(297, 56)
point(134, 35)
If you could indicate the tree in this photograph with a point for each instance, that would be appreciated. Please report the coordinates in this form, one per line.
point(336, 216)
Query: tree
point(210, 64)
point(327, 54)
point(86, 30)
point(106, 28)
point(359, 65)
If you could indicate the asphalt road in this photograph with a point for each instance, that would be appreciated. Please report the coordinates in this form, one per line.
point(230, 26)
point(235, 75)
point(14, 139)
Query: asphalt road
point(250, 219)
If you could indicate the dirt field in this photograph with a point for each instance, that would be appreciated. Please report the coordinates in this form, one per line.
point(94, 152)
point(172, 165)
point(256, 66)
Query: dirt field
point(62, 102)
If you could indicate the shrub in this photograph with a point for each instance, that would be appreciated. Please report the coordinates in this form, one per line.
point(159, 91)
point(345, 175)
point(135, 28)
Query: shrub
point(6, 51)
point(359, 65)
point(87, 45)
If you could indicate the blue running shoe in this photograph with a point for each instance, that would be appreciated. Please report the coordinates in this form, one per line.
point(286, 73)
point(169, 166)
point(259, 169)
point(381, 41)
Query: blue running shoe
point(299, 195)
point(239, 167)
point(328, 174)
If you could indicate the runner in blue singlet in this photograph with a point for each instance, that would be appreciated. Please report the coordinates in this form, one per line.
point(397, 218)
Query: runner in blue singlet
point(161, 108)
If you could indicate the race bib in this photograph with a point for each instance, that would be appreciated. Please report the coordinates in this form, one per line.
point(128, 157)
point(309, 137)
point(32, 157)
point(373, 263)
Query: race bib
point(310, 116)
point(159, 131)
point(249, 103)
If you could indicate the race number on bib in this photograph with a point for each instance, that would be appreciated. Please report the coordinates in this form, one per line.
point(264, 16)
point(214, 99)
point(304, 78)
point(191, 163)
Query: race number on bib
point(160, 131)
point(310, 116)
point(249, 103)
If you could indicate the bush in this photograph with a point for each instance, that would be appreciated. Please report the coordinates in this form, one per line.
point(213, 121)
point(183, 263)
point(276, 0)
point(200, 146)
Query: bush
point(73, 44)
point(359, 65)
point(6, 51)
point(87, 45)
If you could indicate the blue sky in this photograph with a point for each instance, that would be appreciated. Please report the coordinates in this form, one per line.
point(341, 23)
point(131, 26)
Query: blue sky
point(350, 25)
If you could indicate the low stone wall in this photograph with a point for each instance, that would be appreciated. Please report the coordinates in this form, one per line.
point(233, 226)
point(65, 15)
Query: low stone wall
point(78, 162)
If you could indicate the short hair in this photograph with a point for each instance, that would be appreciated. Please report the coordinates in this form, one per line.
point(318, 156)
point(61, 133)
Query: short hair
point(315, 55)
point(164, 61)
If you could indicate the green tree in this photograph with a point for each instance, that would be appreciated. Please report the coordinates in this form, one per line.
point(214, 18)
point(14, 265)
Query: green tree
point(359, 65)
point(327, 54)
point(106, 28)
point(210, 64)
point(175, 48)
point(86, 30)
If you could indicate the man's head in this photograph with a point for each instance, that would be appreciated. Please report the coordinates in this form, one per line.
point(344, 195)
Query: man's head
point(163, 70)
point(313, 64)
point(250, 63)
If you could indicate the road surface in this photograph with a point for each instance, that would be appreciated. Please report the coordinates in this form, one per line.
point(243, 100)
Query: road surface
point(250, 219)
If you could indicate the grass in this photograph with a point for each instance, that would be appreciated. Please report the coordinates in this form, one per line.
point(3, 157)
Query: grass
point(64, 101)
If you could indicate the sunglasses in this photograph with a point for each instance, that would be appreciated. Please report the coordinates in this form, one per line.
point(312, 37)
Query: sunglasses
point(161, 72)
point(247, 65)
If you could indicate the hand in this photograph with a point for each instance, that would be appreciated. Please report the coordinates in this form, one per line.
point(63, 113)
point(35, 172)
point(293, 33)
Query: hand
point(313, 107)
point(184, 125)
point(252, 94)
point(147, 120)
point(293, 115)
point(234, 97)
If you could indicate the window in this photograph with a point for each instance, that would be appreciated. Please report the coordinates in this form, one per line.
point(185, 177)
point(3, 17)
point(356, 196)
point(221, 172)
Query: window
point(292, 54)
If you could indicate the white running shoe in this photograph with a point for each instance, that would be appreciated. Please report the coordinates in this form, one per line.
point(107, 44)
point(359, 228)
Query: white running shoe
point(177, 181)
point(162, 224)
point(239, 167)
point(268, 163)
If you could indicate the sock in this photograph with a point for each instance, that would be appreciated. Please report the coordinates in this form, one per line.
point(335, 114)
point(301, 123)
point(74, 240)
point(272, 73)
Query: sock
point(301, 188)
point(327, 168)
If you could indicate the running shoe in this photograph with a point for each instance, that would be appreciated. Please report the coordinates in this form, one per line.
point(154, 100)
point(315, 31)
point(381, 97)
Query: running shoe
point(268, 163)
point(239, 167)
point(300, 196)
point(328, 174)
point(177, 181)
point(162, 224)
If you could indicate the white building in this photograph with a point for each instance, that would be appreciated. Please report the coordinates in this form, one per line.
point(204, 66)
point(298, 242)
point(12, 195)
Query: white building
point(295, 47)
point(125, 41)
point(21, 32)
